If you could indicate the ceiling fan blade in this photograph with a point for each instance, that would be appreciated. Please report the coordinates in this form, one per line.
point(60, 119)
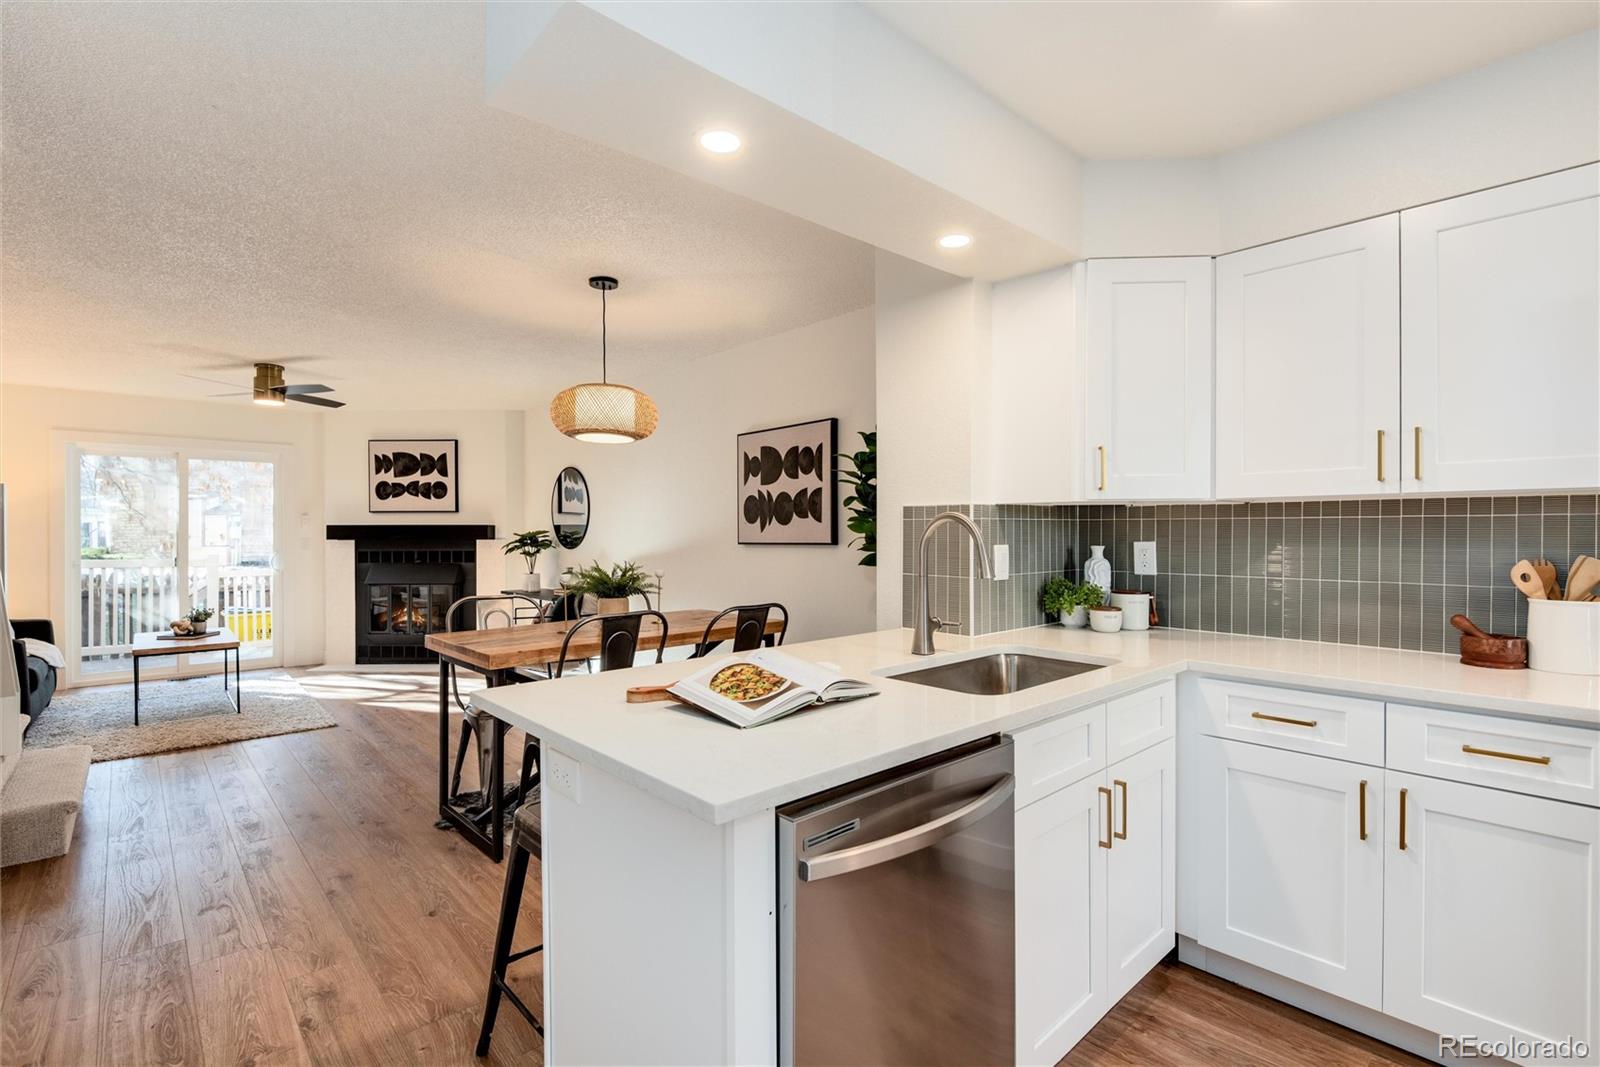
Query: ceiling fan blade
point(203, 378)
point(245, 393)
point(297, 390)
point(321, 402)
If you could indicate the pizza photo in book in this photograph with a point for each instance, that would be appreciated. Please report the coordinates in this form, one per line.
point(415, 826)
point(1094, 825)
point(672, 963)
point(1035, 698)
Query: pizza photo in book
point(765, 685)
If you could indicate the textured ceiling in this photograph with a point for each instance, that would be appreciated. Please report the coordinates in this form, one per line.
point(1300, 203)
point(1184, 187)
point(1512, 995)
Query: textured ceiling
point(194, 187)
point(1113, 79)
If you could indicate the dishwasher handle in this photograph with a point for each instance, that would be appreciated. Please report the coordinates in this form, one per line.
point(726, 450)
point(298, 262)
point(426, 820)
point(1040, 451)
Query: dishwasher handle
point(908, 841)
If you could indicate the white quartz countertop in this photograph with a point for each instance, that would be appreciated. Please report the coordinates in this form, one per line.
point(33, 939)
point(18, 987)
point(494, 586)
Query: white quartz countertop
point(721, 773)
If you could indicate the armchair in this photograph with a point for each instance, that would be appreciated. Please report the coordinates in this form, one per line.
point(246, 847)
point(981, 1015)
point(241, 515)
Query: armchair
point(36, 678)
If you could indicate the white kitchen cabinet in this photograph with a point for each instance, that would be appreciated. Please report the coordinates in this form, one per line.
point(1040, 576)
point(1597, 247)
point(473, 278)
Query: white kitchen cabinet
point(1308, 365)
point(1148, 366)
point(1500, 329)
point(1491, 913)
point(1062, 844)
point(1141, 876)
point(1292, 868)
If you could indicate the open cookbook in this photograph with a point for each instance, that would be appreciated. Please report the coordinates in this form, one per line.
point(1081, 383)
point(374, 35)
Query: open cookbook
point(764, 685)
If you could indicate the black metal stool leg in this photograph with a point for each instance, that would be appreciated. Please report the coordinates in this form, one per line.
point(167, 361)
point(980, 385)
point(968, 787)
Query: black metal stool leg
point(510, 903)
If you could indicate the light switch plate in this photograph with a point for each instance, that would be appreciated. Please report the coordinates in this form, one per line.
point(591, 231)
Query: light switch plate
point(1144, 557)
point(1001, 562)
point(561, 771)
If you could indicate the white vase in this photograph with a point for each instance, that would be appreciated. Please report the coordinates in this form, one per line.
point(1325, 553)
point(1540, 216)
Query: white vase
point(533, 582)
point(1097, 570)
point(1078, 617)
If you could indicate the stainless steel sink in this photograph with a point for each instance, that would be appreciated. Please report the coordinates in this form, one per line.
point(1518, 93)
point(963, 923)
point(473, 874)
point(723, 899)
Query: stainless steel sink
point(997, 673)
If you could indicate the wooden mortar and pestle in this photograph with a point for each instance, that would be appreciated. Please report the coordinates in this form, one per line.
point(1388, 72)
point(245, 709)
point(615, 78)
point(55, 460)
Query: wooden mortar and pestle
point(1479, 649)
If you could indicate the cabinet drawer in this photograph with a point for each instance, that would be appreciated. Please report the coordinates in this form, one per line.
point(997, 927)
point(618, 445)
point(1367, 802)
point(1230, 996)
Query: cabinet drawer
point(1139, 720)
point(1544, 759)
point(1342, 727)
point(1057, 753)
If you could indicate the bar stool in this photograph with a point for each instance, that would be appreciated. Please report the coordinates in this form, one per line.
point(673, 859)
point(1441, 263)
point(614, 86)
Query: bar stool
point(749, 631)
point(525, 844)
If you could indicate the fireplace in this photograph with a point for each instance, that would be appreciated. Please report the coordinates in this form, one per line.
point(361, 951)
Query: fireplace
point(406, 578)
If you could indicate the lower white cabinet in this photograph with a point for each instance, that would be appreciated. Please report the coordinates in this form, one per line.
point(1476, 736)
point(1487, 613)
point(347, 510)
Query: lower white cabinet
point(1096, 887)
point(1492, 914)
point(1292, 876)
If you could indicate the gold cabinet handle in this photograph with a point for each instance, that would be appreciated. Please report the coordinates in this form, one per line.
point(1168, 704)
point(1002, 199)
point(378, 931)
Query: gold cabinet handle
point(1402, 820)
point(1380, 455)
point(1122, 834)
point(1416, 453)
point(1102, 449)
point(1105, 842)
point(1543, 761)
point(1363, 807)
point(1310, 724)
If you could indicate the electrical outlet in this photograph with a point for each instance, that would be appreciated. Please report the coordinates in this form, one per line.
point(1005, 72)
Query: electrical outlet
point(1001, 562)
point(1144, 557)
point(561, 771)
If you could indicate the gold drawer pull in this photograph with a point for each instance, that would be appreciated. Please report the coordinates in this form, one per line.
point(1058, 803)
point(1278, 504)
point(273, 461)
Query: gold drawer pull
point(1543, 761)
point(1122, 834)
point(1416, 454)
point(1402, 820)
point(1380, 456)
point(1309, 724)
point(1102, 449)
point(1363, 809)
point(1105, 842)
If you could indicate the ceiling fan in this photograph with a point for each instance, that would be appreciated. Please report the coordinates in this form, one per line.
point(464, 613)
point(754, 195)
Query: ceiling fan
point(269, 390)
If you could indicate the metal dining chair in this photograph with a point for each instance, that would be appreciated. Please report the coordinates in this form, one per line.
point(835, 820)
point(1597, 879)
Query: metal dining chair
point(749, 632)
point(619, 644)
point(475, 732)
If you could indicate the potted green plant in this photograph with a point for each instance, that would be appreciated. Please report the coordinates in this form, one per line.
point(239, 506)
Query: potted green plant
point(528, 545)
point(1069, 601)
point(194, 622)
point(612, 588)
point(862, 474)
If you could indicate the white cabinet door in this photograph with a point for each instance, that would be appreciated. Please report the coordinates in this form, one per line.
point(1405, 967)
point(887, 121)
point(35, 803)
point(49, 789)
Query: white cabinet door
point(1500, 325)
point(1492, 913)
point(1293, 870)
point(1141, 868)
point(1148, 364)
point(1308, 365)
point(1061, 844)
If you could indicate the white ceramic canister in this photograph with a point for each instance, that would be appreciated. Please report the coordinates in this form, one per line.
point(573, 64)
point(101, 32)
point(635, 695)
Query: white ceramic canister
point(1135, 609)
point(1104, 620)
point(1564, 636)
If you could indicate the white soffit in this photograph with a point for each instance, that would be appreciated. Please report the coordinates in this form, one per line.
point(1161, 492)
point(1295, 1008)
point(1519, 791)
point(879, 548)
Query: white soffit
point(845, 122)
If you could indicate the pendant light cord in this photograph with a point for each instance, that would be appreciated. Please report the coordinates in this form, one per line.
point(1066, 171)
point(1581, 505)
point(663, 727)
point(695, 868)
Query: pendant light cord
point(603, 336)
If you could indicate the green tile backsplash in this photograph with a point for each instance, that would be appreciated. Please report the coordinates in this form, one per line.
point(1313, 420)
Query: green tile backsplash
point(1388, 573)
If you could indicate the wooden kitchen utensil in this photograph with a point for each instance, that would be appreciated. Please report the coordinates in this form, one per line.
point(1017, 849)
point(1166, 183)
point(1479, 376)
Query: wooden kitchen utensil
point(646, 694)
point(1499, 651)
point(1525, 578)
point(1583, 579)
point(1547, 575)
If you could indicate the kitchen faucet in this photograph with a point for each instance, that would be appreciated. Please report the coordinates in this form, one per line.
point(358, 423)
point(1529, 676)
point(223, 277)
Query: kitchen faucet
point(926, 625)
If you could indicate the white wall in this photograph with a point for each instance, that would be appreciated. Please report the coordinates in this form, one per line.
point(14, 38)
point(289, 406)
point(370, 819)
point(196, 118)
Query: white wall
point(36, 480)
point(669, 502)
point(1522, 116)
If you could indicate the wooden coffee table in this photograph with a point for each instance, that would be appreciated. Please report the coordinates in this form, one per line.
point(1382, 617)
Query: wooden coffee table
point(153, 644)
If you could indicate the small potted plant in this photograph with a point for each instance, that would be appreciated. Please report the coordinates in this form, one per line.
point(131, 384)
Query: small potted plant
point(1069, 600)
point(612, 588)
point(192, 623)
point(528, 545)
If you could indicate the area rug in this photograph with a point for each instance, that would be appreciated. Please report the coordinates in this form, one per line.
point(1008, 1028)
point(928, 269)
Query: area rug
point(176, 714)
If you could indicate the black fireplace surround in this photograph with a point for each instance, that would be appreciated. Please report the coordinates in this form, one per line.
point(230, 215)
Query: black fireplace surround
point(407, 576)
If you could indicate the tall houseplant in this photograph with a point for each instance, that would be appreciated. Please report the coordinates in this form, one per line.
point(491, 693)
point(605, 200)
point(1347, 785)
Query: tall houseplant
point(862, 474)
point(610, 588)
point(528, 545)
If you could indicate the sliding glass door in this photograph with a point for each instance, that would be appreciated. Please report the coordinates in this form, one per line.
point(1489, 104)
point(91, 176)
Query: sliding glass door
point(159, 532)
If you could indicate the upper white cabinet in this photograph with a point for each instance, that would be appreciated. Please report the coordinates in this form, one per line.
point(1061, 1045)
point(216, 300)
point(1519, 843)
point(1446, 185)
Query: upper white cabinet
point(1500, 335)
point(1308, 365)
point(1148, 366)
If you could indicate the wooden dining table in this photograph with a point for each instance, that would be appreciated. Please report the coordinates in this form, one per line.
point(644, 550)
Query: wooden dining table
point(497, 653)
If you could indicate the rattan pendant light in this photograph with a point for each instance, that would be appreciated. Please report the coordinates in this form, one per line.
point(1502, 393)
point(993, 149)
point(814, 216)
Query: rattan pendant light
point(601, 411)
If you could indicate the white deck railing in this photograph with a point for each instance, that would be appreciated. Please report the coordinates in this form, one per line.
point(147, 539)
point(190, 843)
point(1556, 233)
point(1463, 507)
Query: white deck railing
point(122, 597)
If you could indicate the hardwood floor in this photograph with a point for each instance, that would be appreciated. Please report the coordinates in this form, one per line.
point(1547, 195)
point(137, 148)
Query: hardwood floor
point(287, 901)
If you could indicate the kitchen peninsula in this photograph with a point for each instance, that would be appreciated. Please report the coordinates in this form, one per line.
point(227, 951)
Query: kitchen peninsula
point(660, 868)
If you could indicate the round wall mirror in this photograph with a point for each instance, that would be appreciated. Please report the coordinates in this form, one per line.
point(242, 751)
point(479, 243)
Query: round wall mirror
point(569, 508)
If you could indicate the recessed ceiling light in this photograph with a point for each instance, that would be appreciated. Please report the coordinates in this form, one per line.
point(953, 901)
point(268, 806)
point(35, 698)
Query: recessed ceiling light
point(955, 240)
point(721, 142)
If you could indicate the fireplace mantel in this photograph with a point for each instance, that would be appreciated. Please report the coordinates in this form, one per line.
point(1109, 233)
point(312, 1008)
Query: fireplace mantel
point(432, 530)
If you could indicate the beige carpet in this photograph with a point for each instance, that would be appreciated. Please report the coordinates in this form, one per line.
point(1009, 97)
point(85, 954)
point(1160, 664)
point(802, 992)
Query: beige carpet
point(182, 713)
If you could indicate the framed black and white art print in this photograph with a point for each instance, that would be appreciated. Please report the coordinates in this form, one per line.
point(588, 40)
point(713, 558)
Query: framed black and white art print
point(788, 489)
point(412, 475)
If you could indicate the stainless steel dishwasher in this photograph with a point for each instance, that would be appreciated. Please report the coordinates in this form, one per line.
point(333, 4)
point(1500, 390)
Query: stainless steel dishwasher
point(896, 922)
